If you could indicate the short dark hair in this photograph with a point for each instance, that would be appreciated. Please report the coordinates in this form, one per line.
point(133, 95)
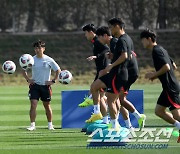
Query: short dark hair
point(103, 30)
point(148, 33)
point(39, 43)
point(117, 21)
point(89, 27)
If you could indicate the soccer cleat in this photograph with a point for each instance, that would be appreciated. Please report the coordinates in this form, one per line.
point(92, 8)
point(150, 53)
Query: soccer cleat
point(141, 121)
point(87, 102)
point(31, 128)
point(94, 117)
point(116, 129)
point(51, 127)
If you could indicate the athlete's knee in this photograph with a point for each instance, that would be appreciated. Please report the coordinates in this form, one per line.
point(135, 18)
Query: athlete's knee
point(159, 112)
point(122, 100)
point(93, 87)
point(176, 117)
point(33, 104)
point(176, 114)
point(96, 85)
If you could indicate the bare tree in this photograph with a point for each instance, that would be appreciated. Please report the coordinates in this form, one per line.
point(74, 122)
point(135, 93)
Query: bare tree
point(54, 13)
point(58, 15)
point(31, 15)
point(135, 10)
point(79, 12)
point(173, 14)
point(161, 19)
point(5, 15)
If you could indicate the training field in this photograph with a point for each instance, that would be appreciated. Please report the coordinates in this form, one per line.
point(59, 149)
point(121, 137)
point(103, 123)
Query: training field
point(14, 118)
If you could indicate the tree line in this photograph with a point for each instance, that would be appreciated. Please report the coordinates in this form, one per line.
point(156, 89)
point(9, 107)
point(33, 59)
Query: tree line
point(67, 15)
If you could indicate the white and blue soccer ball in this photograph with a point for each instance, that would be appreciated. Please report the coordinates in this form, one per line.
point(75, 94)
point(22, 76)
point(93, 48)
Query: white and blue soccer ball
point(26, 61)
point(65, 77)
point(9, 67)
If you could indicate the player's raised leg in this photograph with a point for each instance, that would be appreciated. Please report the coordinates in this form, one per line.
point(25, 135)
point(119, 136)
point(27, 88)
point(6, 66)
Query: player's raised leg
point(95, 87)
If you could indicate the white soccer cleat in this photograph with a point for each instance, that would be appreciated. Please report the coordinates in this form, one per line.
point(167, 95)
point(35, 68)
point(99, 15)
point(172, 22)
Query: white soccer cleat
point(31, 128)
point(51, 128)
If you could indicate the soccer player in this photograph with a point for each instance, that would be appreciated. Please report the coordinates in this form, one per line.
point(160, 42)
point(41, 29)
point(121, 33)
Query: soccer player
point(117, 75)
point(99, 56)
point(40, 83)
point(164, 71)
point(105, 37)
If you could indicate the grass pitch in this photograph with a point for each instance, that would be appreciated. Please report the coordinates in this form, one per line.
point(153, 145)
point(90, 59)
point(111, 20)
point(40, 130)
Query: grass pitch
point(14, 118)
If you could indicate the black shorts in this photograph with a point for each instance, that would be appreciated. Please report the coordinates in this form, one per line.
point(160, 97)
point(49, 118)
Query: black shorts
point(170, 100)
point(96, 77)
point(113, 83)
point(128, 84)
point(43, 92)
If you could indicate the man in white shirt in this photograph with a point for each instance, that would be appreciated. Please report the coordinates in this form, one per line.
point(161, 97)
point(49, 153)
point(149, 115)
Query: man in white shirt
point(40, 83)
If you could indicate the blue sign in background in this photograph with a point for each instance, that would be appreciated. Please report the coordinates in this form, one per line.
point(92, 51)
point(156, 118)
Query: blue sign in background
point(74, 116)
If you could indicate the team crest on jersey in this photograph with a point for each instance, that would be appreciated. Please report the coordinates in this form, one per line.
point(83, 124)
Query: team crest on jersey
point(45, 64)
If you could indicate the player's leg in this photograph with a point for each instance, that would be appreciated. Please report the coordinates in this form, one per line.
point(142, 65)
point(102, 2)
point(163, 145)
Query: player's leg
point(118, 106)
point(165, 101)
point(34, 98)
point(161, 112)
point(95, 91)
point(32, 114)
point(88, 101)
point(176, 115)
point(111, 100)
point(130, 107)
point(176, 112)
point(32, 111)
point(125, 115)
point(48, 110)
point(46, 93)
point(103, 107)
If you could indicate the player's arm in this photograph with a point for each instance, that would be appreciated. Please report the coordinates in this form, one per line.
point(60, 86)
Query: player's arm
point(120, 60)
point(55, 67)
point(25, 75)
point(121, 48)
point(173, 63)
point(56, 75)
point(91, 58)
point(153, 75)
point(105, 50)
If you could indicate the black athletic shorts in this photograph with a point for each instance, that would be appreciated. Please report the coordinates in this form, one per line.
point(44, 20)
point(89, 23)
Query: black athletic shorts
point(128, 84)
point(170, 100)
point(43, 92)
point(113, 83)
point(96, 77)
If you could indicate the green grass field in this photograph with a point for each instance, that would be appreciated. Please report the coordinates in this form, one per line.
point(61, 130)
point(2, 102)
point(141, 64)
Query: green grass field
point(14, 118)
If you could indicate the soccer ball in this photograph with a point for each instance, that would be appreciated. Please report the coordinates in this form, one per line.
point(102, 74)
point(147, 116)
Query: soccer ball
point(26, 61)
point(65, 77)
point(9, 67)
